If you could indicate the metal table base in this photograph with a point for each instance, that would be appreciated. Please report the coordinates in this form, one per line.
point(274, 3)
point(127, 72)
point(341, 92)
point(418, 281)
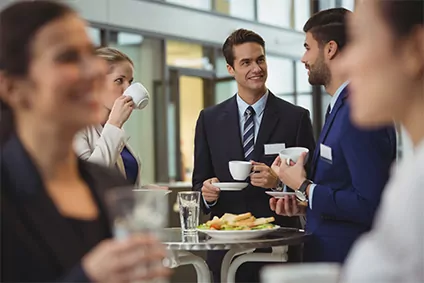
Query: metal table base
point(180, 245)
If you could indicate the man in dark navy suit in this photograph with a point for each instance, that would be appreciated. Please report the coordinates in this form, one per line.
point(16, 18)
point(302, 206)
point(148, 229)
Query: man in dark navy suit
point(350, 166)
point(239, 129)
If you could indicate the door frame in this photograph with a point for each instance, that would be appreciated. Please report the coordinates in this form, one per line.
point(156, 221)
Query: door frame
point(172, 91)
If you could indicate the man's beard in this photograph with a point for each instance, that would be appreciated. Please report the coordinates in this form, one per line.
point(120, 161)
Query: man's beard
point(319, 73)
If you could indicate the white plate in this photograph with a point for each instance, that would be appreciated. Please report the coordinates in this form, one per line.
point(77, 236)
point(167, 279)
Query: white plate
point(228, 186)
point(237, 234)
point(280, 194)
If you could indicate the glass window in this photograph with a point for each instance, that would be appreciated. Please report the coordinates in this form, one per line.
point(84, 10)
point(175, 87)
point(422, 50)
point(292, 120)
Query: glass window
point(280, 75)
point(302, 12)
point(186, 55)
point(275, 12)
point(224, 90)
point(305, 100)
point(95, 35)
point(348, 4)
point(196, 4)
point(302, 83)
point(125, 38)
point(327, 4)
point(287, 97)
point(191, 103)
point(221, 67)
point(244, 9)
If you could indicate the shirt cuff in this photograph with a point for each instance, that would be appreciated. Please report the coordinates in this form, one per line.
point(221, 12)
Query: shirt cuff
point(311, 194)
point(208, 205)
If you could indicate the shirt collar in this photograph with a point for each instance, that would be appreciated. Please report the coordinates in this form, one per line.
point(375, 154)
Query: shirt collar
point(337, 94)
point(259, 105)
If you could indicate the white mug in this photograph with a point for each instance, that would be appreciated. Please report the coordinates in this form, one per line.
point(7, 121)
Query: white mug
point(240, 170)
point(139, 95)
point(293, 154)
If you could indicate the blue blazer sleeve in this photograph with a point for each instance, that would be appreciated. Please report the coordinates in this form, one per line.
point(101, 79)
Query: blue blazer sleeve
point(369, 156)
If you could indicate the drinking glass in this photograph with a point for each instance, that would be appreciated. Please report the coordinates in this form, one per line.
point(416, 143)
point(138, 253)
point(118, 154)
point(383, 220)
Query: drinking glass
point(134, 211)
point(189, 203)
point(138, 211)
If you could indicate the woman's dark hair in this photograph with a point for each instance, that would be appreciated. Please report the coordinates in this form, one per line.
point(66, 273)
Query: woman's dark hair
point(402, 15)
point(19, 23)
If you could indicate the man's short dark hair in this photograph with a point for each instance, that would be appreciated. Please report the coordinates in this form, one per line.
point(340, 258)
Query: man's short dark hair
point(329, 25)
point(238, 37)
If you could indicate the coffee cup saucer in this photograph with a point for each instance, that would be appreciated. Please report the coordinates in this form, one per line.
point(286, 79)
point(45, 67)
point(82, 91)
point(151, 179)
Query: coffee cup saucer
point(230, 186)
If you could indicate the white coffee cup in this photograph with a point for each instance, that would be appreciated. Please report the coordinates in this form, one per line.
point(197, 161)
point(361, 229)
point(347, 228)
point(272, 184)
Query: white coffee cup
point(293, 154)
point(139, 95)
point(240, 170)
point(301, 273)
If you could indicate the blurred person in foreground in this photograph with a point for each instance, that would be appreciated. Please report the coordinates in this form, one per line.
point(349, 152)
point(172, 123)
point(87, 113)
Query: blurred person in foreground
point(386, 68)
point(350, 166)
point(53, 218)
point(106, 142)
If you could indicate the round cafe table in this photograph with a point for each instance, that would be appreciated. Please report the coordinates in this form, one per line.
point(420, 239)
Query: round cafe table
point(180, 245)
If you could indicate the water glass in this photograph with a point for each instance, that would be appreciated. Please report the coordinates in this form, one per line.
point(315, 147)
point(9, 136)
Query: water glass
point(138, 210)
point(133, 211)
point(189, 203)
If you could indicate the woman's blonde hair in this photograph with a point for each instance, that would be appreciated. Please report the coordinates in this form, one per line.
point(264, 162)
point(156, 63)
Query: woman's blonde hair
point(112, 55)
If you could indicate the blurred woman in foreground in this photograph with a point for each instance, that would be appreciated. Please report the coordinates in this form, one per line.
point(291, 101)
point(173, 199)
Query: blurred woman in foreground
point(53, 218)
point(385, 60)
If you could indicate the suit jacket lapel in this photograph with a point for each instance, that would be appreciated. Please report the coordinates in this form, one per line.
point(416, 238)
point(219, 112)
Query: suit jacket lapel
point(229, 122)
point(327, 126)
point(44, 221)
point(269, 122)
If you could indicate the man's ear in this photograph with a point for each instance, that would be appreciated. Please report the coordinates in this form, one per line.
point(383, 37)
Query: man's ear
point(331, 49)
point(230, 70)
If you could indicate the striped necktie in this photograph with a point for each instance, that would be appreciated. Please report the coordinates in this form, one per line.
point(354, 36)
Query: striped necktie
point(249, 133)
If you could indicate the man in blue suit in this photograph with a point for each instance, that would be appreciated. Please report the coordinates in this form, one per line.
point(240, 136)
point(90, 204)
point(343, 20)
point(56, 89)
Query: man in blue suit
point(350, 166)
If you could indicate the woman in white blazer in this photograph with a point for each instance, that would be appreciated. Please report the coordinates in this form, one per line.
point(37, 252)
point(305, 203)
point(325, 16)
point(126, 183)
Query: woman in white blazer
point(107, 143)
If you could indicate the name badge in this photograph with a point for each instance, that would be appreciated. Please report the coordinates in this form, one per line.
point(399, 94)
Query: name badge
point(271, 149)
point(326, 154)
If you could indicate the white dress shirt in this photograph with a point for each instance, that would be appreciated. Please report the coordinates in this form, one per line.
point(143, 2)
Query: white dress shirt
point(393, 251)
point(259, 108)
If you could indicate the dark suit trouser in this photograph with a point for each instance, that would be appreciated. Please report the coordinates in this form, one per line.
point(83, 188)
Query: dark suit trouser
point(249, 271)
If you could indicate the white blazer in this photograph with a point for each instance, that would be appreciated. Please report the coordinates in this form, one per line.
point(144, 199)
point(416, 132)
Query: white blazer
point(103, 145)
